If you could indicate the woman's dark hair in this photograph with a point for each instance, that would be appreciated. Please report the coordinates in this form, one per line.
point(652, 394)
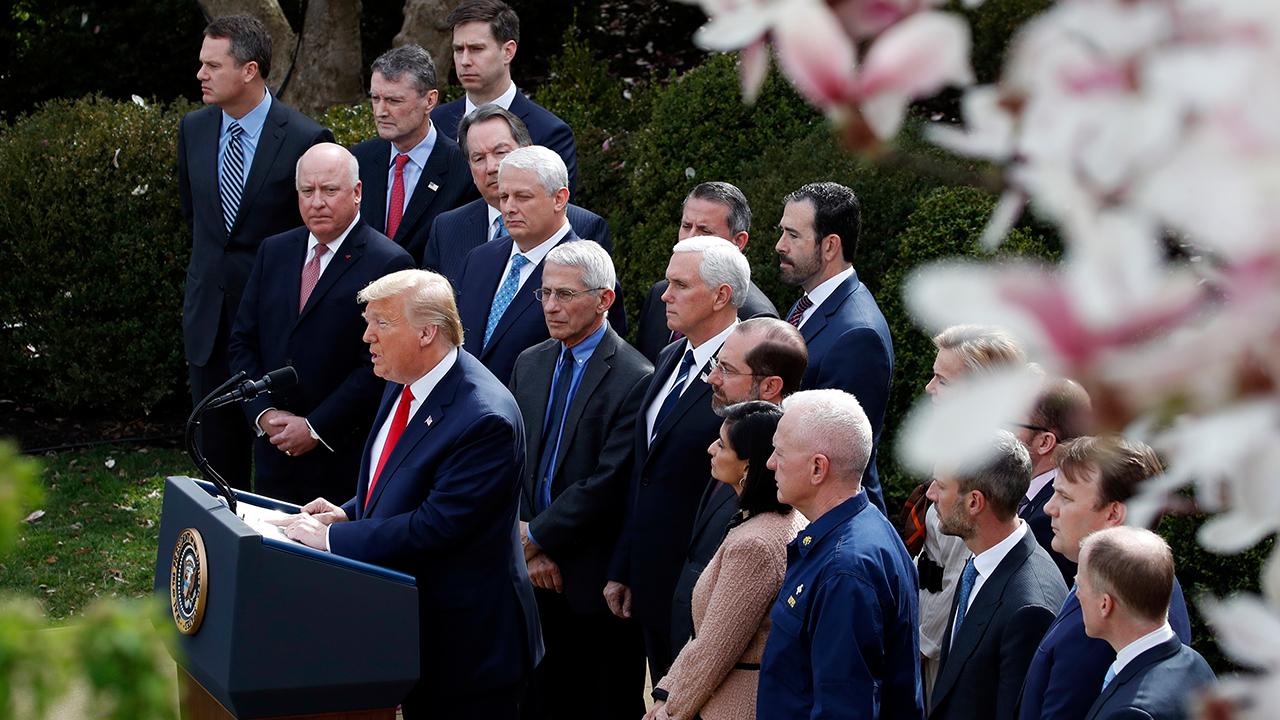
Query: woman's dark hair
point(751, 427)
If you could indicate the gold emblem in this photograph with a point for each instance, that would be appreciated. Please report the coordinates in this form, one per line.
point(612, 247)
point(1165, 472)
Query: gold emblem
point(791, 601)
point(806, 540)
point(188, 581)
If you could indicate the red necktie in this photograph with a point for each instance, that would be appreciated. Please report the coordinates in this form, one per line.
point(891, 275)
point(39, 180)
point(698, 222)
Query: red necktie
point(311, 275)
point(798, 313)
point(398, 424)
point(396, 210)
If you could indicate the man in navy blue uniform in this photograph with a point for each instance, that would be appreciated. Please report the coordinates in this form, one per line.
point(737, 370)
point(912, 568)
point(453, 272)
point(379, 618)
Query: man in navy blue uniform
point(844, 642)
point(300, 309)
point(1096, 477)
point(849, 344)
point(1126, 576)
point(437, 497)
point(485, 36)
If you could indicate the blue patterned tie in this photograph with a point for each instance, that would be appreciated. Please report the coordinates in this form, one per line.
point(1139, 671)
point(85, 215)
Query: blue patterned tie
point(673, 396)
point(501, 232)
point(552, 429)
point(967, 578)
point(506, 294)
point(231, 180)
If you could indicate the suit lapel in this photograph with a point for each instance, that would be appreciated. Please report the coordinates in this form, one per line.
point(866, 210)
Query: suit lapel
point(264, 157)
point(425, 191)
point(1150, 657)
point(293, 280)
point(828, 308)
point(1038, 501)
point(597, 368)
point(718, 495)
point(697, 393)
point(534, 395)
point(208, 133)
point(373, 206)
point(347, 256)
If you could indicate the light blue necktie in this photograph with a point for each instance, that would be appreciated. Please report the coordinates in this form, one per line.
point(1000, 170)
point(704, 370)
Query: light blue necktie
point(231, 180)
point(1111, 675)
point(501, 232)
point(967, 579)
point(506, 293)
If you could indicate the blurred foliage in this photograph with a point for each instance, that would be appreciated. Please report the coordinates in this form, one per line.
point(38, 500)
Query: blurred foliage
point(350, 123)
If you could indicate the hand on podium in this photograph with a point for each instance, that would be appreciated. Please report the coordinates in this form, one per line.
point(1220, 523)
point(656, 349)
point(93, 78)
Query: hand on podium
point(325, 511)
point(311, 526)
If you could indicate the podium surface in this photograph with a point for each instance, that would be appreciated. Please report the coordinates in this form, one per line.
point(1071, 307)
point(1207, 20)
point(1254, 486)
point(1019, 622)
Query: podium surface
point(273, 628)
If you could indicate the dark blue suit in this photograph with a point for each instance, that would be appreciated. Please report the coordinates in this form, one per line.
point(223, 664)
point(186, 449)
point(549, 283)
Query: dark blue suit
point(653, 333)
point(544, 127)
point(444, 511)
point(337, 391)
point(850, 349)
point(1069, 666)
point(982, 669)
point(221, 261)
point(457, 232)
point(1041, 526)
point(845, 641)
point(1155, 685)
point(446, 169)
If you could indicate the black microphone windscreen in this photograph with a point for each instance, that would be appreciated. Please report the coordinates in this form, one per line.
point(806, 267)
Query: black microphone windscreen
point(285, 377)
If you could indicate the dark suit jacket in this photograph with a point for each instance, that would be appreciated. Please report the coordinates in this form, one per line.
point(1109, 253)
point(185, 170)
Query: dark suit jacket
point(445, 168)
point(220, 263)
point(337, 390)
point(667, 482)
point(653, 333)
point(1041, 526)
point(1155, 685)
point(718, 506)
point(589, 488)
point(981, 673)
point(1069, 666)
point(457, 232)
point(445, 512)
point(544, 127)
point(850, 349)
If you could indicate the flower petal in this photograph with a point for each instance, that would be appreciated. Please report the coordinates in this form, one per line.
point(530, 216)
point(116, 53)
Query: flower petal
point(815, 54)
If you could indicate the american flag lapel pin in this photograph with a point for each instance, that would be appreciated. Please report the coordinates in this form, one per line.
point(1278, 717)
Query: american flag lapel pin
point(433, 186)
point(429, 421)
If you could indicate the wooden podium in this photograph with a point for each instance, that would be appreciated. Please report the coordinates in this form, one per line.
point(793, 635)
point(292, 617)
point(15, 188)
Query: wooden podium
point(273, 629)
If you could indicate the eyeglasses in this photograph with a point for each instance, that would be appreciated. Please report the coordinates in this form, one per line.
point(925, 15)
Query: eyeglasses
point(1033, 428)
point(561, 294)
point(724, 370)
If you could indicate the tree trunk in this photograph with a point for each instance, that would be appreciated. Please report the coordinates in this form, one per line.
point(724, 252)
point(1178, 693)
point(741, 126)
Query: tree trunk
point(424, 24)
point(283, 39)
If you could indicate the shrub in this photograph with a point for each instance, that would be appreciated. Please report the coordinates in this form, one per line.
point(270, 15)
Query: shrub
point(95, 249)
point(350, 123)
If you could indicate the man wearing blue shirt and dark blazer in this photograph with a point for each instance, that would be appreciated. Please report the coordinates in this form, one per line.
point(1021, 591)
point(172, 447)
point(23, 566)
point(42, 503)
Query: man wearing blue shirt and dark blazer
point(1126, 576)
point(1096, 477)
point(1008, 592)
point(577, 393)
point(485, 36)
point(844, 641)
point(410, 172)
point(235, 181)
point(849, 344)
point(437, 497)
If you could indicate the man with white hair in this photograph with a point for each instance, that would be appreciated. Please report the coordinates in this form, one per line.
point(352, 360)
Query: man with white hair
point(707, 281)
point(495, 289)
point(300, 309)
point(436, 497)
point(844, 642)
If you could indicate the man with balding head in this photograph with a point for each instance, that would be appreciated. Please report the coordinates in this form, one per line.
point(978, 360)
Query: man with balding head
point(300, 309)
point(1124, 585)
point(844, 642)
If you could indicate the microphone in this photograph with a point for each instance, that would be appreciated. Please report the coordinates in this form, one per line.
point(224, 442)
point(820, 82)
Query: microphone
point(282, 379)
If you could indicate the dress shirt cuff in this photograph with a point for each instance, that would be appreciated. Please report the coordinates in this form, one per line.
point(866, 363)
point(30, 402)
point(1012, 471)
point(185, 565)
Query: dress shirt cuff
point(257, 427)
point(316, 436)
point(326, 538)
point(532, 540)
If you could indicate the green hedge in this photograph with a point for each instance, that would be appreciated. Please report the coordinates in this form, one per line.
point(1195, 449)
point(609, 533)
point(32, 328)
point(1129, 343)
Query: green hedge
point(94, 251)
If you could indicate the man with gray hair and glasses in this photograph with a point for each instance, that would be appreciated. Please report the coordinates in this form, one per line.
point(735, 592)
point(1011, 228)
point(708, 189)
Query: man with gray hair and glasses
point(579, 393)
point(707, 280)
point(411, 172)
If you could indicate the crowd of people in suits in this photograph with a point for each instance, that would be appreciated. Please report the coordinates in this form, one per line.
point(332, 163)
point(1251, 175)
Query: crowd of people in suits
point(704, 507)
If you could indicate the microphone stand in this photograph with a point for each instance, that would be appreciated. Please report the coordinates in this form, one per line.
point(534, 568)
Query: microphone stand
point(193, 450)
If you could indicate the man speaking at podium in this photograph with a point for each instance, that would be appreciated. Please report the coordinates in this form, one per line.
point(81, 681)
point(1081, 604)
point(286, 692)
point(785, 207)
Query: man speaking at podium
point(437, 497)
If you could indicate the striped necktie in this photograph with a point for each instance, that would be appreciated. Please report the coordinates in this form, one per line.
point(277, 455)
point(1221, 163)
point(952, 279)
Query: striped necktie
point(231, 180)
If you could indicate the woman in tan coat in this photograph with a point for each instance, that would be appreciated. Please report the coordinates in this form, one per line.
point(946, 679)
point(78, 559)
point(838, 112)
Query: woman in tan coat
point(716, 673)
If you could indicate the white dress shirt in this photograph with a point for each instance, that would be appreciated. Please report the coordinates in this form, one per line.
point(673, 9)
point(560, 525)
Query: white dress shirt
point(1130, 652)
point(822, 292)
point(701, 356)
point(534, 257)
point(1038, 482)
point(986, 564)
point(421, 388)
point(418, 155)
point(503, 101)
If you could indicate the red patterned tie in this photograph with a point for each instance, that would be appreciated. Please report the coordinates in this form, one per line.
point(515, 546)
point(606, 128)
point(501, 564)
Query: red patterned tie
point(311, 275)
point(798, 314)
point(398, 424)
point(396, 210)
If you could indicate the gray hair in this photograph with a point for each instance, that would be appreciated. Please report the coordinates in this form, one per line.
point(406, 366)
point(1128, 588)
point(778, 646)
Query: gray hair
point(412, 59)
point(540, 161)
point(488, 112)
point(722, 193)
point(590, 260)
point(1003, 478)
point(353, 165)
point(428, 300)
point(836, 426)
point(981, 347)
point(722, 264)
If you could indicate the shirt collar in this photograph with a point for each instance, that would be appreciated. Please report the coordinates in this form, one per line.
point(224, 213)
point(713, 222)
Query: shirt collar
point(812, 536)
point(1130, 652)
point(828, 286)
point(313, 241)
point(494, 214)
point(503, 101)
point(419, 153)
point(539, 252)
point(704, 352)
point(1038, 482)
point(252, 121)
point(423, 386)
point(987, 562)
point(582, 351)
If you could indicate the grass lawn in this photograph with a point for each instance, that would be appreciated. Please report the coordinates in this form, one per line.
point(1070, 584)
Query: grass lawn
point(97, 537)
